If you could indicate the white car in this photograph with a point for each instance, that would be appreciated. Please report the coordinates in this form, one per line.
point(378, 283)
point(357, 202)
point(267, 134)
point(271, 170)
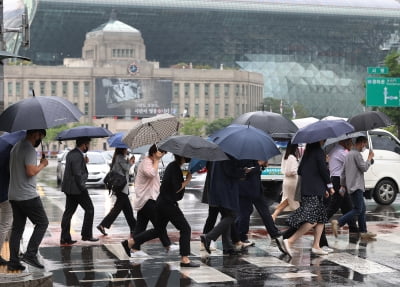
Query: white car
point(382, 179)
point(97, 167)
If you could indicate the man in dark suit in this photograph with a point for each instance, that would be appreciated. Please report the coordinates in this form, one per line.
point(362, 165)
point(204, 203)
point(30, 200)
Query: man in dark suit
point(73, 185)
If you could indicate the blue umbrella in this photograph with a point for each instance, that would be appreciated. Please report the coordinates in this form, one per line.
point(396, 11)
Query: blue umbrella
point(116, 141)
point(83, 131)
point(322, 130)
point(196, 164)
point(245, 142)
point(7, 140)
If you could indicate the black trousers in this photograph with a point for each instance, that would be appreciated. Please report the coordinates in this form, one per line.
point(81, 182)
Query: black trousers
point(32, 209)
point(223, 228)
point(262, 207)
point(168, 212)
point(212, 217)
point(123, 204)
point(71, 204)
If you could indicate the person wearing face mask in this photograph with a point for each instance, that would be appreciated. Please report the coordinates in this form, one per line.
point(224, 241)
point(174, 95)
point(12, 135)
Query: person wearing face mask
point(352, 181)
point(74, 187)
point(25, 201)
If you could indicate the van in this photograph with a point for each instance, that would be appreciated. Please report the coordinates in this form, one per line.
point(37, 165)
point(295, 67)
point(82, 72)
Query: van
point(382, 179)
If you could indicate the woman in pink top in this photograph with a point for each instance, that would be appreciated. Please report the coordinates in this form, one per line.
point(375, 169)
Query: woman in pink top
point(147, 189)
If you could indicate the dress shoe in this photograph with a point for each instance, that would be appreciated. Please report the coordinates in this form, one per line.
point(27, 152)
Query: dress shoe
point(67, 242)
point(319, 251)
point(3, 262)
point(92, 239)
point(32, 260)
point(15, 267)
point(206, 243)
point(190, 264)
point(125, 245)
point(279, 243)
point(102, 230)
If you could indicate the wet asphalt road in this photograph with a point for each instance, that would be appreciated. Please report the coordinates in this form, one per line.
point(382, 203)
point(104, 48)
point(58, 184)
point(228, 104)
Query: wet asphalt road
point(354, 262)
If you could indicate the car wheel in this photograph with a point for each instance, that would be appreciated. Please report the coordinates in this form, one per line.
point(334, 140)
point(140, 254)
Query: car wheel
point(385, 192)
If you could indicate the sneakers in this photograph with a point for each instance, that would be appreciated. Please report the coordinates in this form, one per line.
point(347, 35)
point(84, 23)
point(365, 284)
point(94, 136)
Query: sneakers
point(15, 267)
point(318, 251)
point(367, 235)
point(173, 247)
point(327, 249)
point(335, 227)
point(139, 253)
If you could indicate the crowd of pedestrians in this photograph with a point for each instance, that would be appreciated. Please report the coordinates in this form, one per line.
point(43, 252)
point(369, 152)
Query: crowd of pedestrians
point(315, 187)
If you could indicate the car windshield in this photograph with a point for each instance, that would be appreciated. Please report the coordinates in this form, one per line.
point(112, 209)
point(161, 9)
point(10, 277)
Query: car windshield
point(95, 158)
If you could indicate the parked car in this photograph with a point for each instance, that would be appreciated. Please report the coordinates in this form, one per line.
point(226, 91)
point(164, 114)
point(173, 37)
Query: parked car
point(382, 179)
point(97, 167)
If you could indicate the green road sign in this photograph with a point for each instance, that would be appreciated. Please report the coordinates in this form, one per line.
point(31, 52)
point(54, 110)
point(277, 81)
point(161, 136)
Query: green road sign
point(378, 70)
point(383, 92)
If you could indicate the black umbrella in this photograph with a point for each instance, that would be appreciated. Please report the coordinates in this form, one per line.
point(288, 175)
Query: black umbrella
point(276, 125)
point(38, 113)
point(83, 131)
point(193, 147)
point(369, 121)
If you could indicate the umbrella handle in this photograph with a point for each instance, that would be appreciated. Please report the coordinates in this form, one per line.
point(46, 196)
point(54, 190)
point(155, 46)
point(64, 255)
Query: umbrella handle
point(43, 154)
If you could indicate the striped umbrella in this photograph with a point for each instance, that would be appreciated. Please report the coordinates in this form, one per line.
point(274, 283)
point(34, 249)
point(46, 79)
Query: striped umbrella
point(151, 130)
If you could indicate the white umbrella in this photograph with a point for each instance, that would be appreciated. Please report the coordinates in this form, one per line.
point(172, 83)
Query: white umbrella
point(151, 130)
point(301, 123)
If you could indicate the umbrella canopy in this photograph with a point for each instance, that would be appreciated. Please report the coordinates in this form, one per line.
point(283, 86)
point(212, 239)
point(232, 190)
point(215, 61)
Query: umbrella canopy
point(370, 120)
point(322, 130)
point(276, 125)
point(83, 131)
point(142, 149)
point(193, 146)
point(7, 140)
point(151, 130)
point(343, 137)
point(245, 142)
point(116, 141)
point(301, 123)
point(196, 164)
point(38, 113)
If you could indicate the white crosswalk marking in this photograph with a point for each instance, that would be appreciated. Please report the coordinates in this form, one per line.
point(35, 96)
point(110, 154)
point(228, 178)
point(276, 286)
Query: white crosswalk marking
point(360, 265)
point(267, 261)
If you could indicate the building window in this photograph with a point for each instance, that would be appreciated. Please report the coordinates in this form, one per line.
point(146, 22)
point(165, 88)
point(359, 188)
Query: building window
point(76, 89)
point(86, 109)
point(226, 90)
point(122, 53)
point(89, 54)
point(53, 88)
point(206, 110)
point(196, 110)
point(206, 90)
point(42, 88)
point(196, 90)
point(176, 90)
point(18, 89)
point(86, 89)
point(237, 90)
point(216, 111)
point(10, 89)
point(65, 89)
point(226, 111)
point(216, 90)
point(187, 86)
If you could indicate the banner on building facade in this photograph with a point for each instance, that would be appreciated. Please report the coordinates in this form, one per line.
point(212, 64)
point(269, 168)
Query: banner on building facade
point(132, 97)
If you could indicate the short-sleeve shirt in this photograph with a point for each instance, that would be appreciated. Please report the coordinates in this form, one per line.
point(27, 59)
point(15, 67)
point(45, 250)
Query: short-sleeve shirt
point(22, 186)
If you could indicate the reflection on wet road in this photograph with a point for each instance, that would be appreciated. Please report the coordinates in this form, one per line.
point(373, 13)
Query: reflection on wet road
point(354, 263)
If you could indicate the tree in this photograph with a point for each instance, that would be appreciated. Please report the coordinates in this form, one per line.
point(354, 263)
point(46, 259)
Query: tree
point(192, 126)
point(217, 125)
point(392, 62)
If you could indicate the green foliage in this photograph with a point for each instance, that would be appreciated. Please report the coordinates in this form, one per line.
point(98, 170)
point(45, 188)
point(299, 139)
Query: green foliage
point(217, 125)
point(192, 126)
point(53, 132)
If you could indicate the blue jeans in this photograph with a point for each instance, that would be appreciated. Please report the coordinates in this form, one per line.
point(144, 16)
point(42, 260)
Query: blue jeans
point(358, 211)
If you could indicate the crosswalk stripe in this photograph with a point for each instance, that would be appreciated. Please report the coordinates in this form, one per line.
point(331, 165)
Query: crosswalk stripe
point(360, 265)
point(202, 274)
point(267, 261)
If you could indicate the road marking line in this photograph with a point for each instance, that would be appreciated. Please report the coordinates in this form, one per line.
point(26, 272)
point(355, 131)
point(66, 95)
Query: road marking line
point(267, 261)
point(360, 265)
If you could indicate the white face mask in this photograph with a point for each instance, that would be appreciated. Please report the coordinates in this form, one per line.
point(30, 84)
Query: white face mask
point(363, 149)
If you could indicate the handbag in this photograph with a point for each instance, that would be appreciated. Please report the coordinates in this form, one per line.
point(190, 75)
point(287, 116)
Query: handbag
point(114, 182)
point(297, 193)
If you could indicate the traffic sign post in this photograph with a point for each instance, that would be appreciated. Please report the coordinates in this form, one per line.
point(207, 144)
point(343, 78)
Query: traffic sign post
point(383, 92)
point(378, 70)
